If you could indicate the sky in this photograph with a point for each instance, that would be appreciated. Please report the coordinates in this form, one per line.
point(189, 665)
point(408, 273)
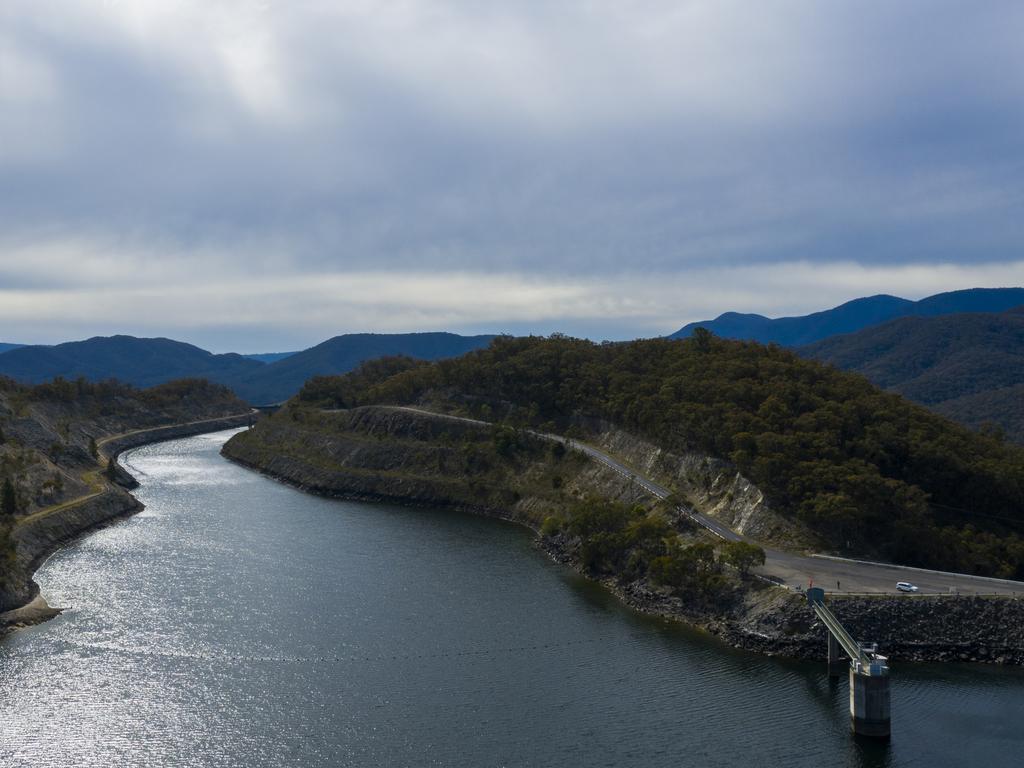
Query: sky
point(259, 176)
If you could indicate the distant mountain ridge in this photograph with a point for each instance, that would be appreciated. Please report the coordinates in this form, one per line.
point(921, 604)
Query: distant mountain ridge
point(280, 380)
point(269, 357)
point(147, 362)
point(139, 362)
point(853, 316)
point(8, 347)
point(966, 366)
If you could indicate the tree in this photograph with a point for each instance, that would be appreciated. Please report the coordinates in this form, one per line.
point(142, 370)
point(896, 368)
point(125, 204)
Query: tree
point(8, 499)
point(557, 451)
point(702, 338)
point(94, 450)
point(742, 555)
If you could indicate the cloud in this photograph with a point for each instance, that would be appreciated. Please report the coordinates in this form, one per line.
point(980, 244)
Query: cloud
point(176, 147)
point(29, 89)
point(253, 311)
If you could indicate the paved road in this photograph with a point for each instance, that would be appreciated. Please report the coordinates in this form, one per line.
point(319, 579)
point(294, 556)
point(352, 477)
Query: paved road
point(790, 569)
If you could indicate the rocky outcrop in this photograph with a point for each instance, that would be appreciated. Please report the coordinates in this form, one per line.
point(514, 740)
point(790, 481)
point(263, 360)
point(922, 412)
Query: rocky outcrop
point(712, 486)
point(776, 622)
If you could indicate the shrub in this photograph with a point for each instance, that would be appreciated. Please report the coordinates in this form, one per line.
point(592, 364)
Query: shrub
point(551, 526)
point(8, 499)
point(742, 555)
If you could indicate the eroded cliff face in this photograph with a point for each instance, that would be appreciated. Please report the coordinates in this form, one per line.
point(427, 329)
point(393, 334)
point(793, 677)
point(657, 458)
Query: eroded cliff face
point(387, 454)
point(711, 486)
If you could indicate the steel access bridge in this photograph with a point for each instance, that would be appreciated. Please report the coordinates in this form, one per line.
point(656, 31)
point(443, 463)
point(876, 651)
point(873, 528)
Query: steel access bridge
point(868, 672)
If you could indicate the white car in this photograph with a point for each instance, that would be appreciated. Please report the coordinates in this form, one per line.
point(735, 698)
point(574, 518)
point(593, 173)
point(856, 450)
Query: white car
point(905, 586)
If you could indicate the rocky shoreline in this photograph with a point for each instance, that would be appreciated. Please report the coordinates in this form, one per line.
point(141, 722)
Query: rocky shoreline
point(764, 619)
point(775, 622)
point(22, 604)
point(778, 622)
point(916, 629)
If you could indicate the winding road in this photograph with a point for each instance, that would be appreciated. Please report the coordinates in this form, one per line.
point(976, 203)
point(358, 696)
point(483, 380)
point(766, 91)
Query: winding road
point(790, 569)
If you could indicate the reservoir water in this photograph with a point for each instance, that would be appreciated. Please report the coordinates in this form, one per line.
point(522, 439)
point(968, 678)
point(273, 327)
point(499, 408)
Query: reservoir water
point(239, 622)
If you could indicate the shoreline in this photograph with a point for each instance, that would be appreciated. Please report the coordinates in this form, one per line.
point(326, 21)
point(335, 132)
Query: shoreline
point(775, 621)
point(39, 537)
point(767, 620)
point(35, 612)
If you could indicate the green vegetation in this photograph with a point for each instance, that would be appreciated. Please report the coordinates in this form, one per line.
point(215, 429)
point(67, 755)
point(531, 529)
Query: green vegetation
point(634, 543)
point(742, 555)
point(865, 470)
point(447, 463)
point(8, 499)
point(189, 392)
point(112, 392)
point(283, 378)
point(967, 366)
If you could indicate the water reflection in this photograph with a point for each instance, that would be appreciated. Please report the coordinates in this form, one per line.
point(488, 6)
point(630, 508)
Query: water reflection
point(238, 622)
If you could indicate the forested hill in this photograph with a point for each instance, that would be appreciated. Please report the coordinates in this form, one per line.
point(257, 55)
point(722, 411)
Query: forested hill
point(865, 469)
point(969, 367)
point(283, 378)
point(853, 316)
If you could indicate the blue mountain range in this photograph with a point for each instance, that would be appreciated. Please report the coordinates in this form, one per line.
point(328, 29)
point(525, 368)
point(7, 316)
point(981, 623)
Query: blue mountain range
point(853, 316)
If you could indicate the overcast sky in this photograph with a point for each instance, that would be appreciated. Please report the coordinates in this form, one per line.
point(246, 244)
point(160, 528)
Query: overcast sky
point(255, 175)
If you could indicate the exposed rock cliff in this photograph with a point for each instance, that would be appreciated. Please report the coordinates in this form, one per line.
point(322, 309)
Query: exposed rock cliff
point(710, 485)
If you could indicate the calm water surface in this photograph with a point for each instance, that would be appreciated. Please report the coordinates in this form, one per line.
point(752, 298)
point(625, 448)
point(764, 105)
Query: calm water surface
point(238, 622)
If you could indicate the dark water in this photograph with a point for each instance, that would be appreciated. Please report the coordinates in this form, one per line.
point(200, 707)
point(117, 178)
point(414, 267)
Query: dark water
point(237, 622)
